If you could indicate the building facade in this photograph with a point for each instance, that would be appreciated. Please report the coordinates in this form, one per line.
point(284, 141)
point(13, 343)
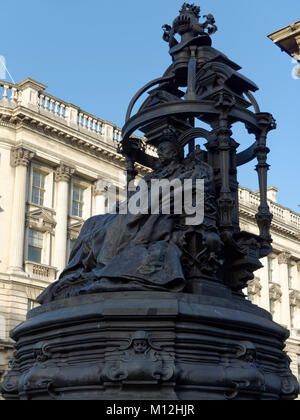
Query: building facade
point(288, 40)
point(56, 162)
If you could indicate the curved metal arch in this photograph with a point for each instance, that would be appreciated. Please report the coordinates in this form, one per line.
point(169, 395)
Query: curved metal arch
point(193, 108)
point(144, 89)
point(253, 101)
point(247, 155)
point(192, 134)
point(189, 108)
point(241, 158)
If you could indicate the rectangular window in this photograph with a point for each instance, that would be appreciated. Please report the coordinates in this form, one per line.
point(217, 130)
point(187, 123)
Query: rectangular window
point(38, 188)
point(77, 201)
point(35, 246)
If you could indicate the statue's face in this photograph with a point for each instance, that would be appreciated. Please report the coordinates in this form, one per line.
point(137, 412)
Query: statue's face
point(167, 152)
point(140, 346)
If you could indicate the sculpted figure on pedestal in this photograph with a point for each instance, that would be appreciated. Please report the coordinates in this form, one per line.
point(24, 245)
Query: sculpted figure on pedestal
point(117, 252)
point(204, 340)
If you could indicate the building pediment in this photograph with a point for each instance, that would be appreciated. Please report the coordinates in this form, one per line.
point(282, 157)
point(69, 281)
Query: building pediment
point(41, 219)
point(74, 229)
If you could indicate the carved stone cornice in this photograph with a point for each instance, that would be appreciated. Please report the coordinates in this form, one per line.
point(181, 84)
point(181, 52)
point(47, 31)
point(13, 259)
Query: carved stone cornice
point(275, 292)
point(295, 298)
point(64, 173)
point(21, 157)
point(284, 258)
point(68, 135)
point(254, 287)
point(278, 227)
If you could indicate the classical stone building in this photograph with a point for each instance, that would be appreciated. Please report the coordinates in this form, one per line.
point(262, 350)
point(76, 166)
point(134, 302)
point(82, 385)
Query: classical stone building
point(55, 162)
point(276, 286)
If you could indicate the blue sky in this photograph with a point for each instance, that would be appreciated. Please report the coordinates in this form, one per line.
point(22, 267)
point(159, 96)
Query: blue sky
point(96, 54)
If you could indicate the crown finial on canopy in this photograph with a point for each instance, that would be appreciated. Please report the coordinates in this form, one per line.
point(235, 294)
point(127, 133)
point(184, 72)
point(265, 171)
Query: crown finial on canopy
point(187, 25)
point(192, 8)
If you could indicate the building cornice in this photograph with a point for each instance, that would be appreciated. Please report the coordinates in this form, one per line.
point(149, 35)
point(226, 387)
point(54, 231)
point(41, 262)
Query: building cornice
point(291, 30)
point(23, 280)
point(288, 39)
point(23, 118)
point(26, 104)
point(278, 227)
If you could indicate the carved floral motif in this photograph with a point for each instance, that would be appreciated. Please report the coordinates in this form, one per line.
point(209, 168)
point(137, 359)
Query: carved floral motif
point(284, 258)
point(21, 157)
point(63, 173)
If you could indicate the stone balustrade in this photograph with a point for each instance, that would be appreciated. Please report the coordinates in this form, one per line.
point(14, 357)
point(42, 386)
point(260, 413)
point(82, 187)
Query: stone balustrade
point(39, 271)
point(31, 94)
point(90, 123)
point(9, 93)
point(279, 212)
point(53, 106)
point(85, 122)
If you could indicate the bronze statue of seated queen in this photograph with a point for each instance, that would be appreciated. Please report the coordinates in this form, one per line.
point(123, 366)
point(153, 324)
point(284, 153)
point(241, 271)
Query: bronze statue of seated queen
point(129, 252)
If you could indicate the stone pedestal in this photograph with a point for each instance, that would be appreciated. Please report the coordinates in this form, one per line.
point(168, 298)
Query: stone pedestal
point(149, 346)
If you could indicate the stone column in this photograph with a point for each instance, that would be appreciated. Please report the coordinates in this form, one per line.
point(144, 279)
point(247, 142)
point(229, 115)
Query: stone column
point(20, 159)
point(283, 261)
point(100, 193)
point(62, 176)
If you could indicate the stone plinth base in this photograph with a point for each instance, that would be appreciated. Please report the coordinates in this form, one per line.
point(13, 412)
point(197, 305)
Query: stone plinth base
point(148, 346)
